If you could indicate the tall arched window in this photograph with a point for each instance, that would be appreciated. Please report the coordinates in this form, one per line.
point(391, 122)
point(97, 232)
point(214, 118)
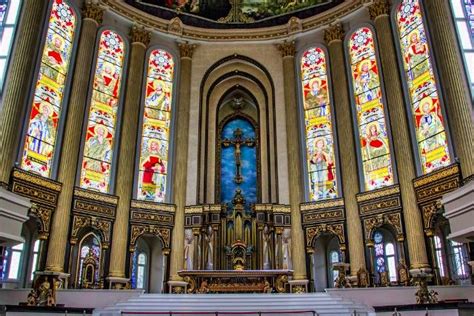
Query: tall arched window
point(320, 146)
point(333, 258)
point(463, 13)
point(48, 100)
point(375, 149)
point(439, 255)
point(34, 263)
point(154, 151)
point(104, 107)
point(9, 12)
point(426, 111)
point(385, 257)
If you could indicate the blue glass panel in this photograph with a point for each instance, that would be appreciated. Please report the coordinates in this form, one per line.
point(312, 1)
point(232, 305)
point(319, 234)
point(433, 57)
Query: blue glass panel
point(248, 157)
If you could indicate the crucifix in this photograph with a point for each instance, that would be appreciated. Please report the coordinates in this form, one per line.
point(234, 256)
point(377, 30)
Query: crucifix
point(238, 141)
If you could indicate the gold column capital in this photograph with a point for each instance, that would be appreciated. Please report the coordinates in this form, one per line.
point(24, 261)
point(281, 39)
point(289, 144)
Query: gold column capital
point(379, 8)
point(186, 50)
point(93, 11)
point(334, 32)
point(138, 34)
point(287, 49)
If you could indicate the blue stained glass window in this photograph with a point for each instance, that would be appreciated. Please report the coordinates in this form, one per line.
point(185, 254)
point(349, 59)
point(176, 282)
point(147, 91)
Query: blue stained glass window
point(248, 158)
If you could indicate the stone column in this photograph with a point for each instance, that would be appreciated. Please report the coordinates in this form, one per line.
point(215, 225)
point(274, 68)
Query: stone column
point(453, 80)
point(139, 38)
point(379, 12)
point(288, 51)
point(22, 65)
point(181, 159)
point(92, 17)
point(334, 37)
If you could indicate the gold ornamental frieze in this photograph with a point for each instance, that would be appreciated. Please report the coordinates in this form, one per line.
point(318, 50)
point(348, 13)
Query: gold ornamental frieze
point(322, 216)
point(197, 209)
point(79, 222)
point(152, 206)
point(152, 217)
point(96, 196)
point(313, 206)
point(177, 28)
point(375, 194)
point(313, 232)
point(439, 175)
point(138, 230)
point(392, 219)
point(21, 175)
point(91, 207)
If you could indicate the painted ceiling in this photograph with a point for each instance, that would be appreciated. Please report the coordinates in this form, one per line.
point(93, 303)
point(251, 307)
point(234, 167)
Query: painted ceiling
point(226, 14)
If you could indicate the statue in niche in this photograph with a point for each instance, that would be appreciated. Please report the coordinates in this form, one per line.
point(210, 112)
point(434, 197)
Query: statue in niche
point(266, 248)
point(188, 249)
point(210, 248)
point(286, 249)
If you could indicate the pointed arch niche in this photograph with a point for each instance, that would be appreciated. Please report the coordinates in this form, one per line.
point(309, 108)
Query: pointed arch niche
point(232, 78)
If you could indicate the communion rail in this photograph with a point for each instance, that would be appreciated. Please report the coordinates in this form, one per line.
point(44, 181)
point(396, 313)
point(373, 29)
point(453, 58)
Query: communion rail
point(293, 312)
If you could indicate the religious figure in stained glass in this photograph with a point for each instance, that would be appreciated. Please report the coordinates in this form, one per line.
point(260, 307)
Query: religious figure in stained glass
point(373, 131)
point(153, 162)
point(42, 129)
point(318, 122)
point(98, 147)
point(423, 92)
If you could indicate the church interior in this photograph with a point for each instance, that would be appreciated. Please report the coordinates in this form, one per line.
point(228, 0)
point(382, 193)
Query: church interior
point(237, 157)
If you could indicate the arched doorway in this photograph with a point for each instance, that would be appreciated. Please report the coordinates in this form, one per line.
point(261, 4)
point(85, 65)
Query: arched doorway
point(148, 265)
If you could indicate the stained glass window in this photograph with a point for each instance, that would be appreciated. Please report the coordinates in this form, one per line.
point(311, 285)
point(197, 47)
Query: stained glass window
point(9, 12)
point(439, 255)
point(153, 168)
point(371, 121)
point(385, 257)
point(318, 126)
point(46, 109)
point(102, 121)
point(423, 93)
point(463, 13)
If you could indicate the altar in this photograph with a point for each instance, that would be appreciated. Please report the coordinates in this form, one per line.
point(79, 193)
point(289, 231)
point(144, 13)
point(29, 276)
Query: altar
point(236, 281)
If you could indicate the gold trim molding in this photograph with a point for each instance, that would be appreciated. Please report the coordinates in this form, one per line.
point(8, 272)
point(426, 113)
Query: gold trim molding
point(171, 208)
point(96, 196)
point(176, 28)
point(366, 196)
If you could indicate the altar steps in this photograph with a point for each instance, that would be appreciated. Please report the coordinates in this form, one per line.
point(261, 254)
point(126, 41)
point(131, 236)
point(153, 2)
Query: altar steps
point(232, 304)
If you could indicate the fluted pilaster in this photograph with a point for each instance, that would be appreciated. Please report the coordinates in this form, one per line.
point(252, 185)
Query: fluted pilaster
point(22, 65)
point(140, 38)
point(453, 80)
point(92, 17)
point(288, 51)
point(334, 37)
point(181, 158)
point(379, 12)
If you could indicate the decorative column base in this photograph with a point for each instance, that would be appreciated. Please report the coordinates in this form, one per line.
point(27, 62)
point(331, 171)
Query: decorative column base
point(420, 278)
point(178, 287)
point(116, 283)
point(298, 286)
point(45, 286)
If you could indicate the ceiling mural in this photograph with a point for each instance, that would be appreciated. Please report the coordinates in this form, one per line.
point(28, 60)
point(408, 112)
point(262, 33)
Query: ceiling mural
point(234, 13)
